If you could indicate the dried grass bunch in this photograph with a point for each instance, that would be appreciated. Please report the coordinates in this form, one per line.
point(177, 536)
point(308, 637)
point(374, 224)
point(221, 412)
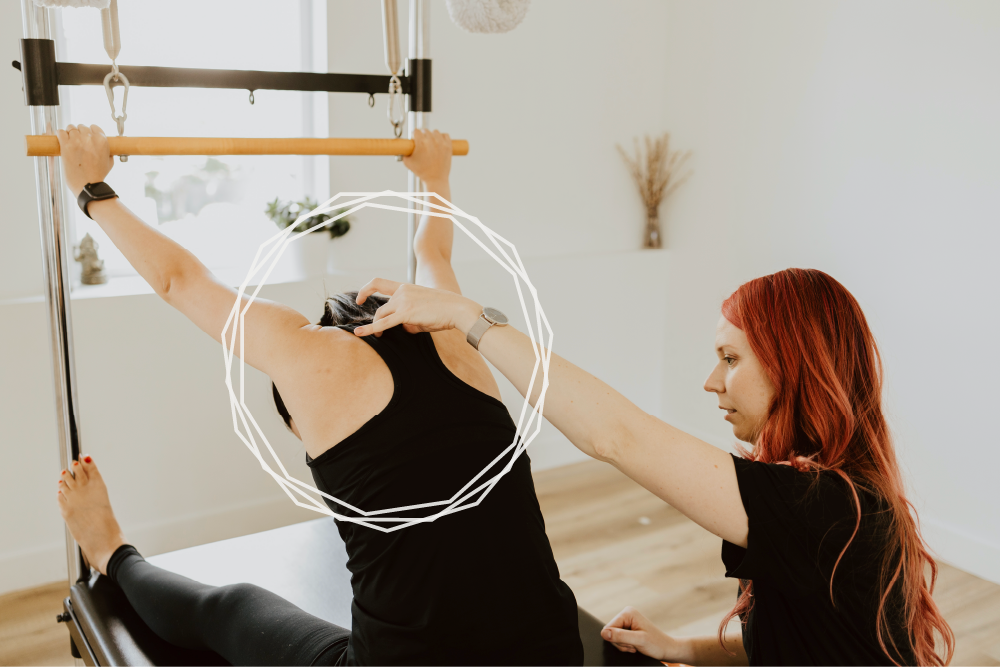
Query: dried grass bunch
point(657, 174)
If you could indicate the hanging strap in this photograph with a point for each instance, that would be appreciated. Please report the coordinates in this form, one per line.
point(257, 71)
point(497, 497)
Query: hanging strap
point(396, 111)
point(112, 36)
point(113, 45)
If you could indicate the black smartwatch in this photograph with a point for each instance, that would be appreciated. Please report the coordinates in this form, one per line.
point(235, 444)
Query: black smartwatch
point(94, 192)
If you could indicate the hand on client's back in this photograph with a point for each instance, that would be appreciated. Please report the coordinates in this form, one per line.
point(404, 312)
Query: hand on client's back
point(417, 308)
point(86, 157)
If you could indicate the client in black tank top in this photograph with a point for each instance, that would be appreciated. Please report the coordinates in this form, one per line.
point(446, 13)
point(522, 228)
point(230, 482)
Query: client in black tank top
point(477, 586)
point(471, 587)
point(462, 588)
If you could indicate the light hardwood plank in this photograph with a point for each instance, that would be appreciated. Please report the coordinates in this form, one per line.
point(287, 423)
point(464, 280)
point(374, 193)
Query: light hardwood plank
point(29, 634)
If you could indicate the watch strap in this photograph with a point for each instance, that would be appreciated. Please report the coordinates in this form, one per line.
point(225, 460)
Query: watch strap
point(481, 326)
point(88, 195)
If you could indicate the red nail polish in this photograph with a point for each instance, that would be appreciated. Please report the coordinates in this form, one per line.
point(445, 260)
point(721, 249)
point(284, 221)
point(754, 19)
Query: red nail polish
point(63, 472)
point(88, 459)
point(76, 463)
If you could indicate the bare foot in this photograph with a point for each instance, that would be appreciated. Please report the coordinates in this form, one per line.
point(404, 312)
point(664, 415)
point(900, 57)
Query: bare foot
point(86, 508)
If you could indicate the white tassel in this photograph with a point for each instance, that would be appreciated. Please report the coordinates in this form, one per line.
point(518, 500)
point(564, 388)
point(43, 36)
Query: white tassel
point(487, 15)
point(96, 4)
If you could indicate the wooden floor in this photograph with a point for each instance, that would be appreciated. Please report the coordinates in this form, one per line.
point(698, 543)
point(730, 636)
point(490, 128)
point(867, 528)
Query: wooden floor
point(616, 545)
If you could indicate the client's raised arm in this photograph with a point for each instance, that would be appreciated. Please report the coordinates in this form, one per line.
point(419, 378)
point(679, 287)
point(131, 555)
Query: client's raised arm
point(431, 163)
point(173, 272)
point(693, 476)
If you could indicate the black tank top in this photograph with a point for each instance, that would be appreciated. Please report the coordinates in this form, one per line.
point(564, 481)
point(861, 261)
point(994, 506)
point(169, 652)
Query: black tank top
point(479, 586)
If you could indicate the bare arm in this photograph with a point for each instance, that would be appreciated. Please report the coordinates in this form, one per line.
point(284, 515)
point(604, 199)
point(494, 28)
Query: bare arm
point(631, 632)
point(691, 475)
point(431, 162)
point(174, 273)
point(708, 651)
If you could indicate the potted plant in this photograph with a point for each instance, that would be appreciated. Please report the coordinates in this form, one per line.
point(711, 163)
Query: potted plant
point(313, 249)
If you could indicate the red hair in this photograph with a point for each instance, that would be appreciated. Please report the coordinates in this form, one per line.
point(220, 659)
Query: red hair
point(814, 344)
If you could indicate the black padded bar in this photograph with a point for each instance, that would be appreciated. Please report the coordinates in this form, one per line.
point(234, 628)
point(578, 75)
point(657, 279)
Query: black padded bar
point(419, 72)
point(79, 646)
point(78, 74)
point(41, 87)
point(81, 74)
point(113, 634)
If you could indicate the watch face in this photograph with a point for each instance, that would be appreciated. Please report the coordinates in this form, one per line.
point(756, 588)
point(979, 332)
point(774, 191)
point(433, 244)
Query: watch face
point(99, 189)
point(495, 315)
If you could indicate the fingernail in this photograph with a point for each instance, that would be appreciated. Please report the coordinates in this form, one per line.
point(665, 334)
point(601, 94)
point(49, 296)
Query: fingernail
point(76, 463)
point(63, 472)
point(88, 459)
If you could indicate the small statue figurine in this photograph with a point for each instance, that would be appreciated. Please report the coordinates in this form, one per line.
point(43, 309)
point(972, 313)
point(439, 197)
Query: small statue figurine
point(93, 267)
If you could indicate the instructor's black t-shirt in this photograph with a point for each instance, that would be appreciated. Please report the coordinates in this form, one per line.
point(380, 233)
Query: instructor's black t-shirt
point(479, 586)
point(798, 524)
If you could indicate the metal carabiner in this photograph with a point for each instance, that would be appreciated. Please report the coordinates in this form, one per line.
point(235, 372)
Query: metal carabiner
point(119, 120)
point(396, 104)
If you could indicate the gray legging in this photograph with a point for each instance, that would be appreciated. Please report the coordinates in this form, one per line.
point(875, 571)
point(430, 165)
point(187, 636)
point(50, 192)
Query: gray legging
point(243, 623)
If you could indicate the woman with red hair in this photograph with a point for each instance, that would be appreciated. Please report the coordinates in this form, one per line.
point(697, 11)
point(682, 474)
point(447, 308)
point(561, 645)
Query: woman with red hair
point(813, 515)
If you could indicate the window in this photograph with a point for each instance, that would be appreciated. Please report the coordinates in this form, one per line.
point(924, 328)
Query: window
point(213, 206)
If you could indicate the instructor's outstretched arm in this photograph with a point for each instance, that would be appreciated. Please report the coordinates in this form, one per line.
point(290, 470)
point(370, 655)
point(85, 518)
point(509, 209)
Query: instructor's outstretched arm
point(690, 474)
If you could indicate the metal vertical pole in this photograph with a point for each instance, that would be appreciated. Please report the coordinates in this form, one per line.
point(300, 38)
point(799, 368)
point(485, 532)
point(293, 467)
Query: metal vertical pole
point(308, 117)
point(55, 274)
point(419, 48)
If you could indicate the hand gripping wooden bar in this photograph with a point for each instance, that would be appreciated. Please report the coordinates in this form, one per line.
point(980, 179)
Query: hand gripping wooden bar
point(43, 145)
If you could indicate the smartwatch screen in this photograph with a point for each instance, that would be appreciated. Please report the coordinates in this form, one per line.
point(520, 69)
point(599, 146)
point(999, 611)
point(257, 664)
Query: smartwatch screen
point(100, 190)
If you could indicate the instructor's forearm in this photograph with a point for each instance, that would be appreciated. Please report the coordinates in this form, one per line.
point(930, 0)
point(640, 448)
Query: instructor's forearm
point(157, 258)
point(708, 651)
point(585, 409)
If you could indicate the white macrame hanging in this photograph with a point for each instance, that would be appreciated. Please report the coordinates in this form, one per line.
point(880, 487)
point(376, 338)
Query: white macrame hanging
point(96, 4)
point(487, 15)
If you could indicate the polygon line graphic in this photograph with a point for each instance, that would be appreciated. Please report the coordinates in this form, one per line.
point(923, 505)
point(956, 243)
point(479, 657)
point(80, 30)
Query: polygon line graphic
point(467, 496)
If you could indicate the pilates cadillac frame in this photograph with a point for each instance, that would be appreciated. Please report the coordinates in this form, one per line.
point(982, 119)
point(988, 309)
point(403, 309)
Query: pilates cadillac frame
point(42, 77)
point(103, 627)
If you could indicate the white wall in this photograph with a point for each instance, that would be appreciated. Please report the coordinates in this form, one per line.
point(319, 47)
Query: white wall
point(860, 139)
point(542, 107)
point(852, 137)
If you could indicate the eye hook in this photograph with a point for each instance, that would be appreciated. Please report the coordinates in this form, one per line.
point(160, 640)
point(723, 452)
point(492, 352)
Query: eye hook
point(395, 110)
point(251, 97)
point(371, 100)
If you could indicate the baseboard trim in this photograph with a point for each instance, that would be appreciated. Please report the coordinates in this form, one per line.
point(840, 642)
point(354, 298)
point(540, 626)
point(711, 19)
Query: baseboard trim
point(958, 547)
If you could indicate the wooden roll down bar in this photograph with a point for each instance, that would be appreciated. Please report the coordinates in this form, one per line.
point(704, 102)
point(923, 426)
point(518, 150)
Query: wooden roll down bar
point(46, 145)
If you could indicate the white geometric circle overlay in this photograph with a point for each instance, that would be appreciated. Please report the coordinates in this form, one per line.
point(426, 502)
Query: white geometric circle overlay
point(529, 421)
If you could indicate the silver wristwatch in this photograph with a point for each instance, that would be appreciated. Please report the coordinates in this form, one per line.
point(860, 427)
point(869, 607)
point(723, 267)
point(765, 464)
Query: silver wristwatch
point(489, 317)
